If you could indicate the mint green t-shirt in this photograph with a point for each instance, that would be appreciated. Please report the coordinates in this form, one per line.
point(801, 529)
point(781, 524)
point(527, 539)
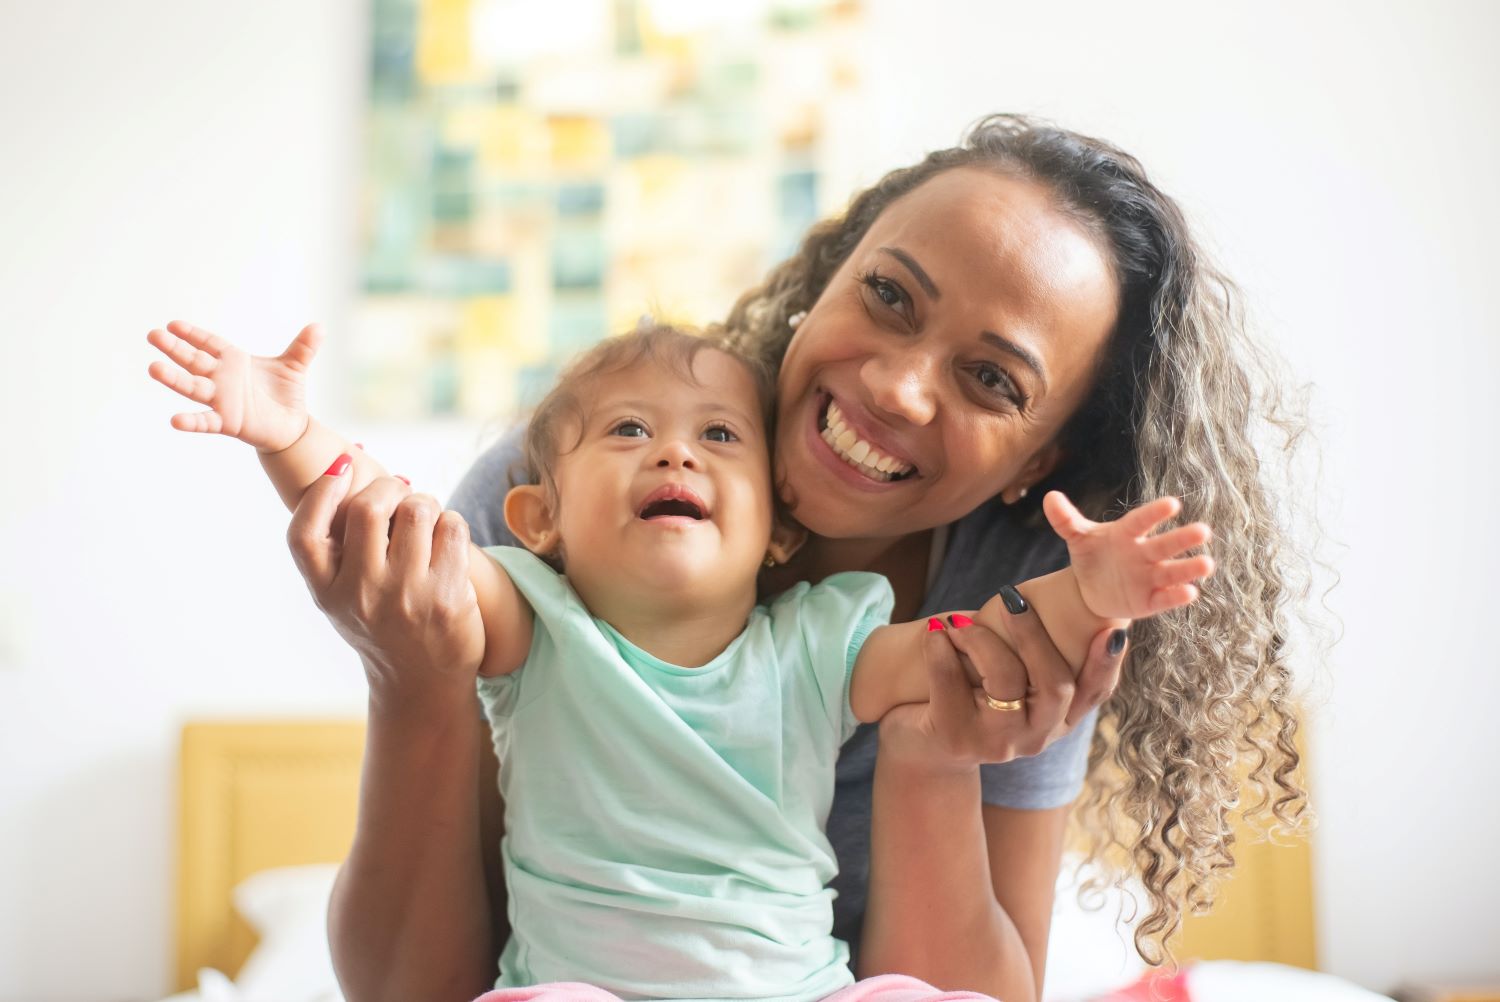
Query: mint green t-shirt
point(664, 825)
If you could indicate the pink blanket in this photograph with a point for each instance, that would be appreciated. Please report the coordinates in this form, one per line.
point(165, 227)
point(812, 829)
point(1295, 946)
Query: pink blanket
point(886, 988)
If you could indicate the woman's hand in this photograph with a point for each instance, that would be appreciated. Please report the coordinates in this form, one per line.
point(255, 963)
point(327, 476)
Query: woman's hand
point(957, 729)
point(259, 400)
point(390, 570)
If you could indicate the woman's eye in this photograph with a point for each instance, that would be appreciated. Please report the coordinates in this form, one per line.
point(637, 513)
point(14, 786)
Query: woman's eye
point(719, 433)
point(629, 429)
point(887, 291)
point(996, 380)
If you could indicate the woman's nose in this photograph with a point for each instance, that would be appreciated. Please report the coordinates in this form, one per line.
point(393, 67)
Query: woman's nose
point(676, 452)
point(902, 384)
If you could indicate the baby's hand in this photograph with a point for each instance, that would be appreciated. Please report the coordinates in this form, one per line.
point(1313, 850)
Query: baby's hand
point(260, 401)
point(1124, 573)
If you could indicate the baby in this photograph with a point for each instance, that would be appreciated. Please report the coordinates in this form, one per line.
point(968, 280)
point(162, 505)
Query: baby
point(667, 744)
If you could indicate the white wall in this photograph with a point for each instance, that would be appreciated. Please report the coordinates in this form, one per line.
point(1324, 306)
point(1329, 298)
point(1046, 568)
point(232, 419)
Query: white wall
point(170, 158)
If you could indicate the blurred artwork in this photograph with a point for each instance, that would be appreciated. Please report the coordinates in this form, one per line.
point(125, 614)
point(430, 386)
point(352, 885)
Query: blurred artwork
point(539, 175)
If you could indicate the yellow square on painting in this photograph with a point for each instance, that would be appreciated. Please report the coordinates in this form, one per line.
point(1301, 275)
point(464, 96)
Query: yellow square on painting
point(491, 322)
point(443, 53)
point(578, 142)
point(513, 141)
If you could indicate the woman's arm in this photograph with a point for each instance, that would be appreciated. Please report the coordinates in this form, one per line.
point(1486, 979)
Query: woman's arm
point(969, 904)
point(410, 916)
point(960, 893)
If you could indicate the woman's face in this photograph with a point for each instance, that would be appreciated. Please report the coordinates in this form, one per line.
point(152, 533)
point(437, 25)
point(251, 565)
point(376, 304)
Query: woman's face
point(950, 349)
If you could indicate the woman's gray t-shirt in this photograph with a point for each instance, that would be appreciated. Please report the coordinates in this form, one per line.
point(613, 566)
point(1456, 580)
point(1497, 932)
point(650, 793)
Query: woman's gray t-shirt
point(986, 549)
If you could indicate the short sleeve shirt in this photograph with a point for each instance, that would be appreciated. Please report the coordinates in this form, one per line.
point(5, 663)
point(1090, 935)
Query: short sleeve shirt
point(665, 825)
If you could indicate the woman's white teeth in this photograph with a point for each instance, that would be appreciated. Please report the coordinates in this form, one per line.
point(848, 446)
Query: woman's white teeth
point(857, 452)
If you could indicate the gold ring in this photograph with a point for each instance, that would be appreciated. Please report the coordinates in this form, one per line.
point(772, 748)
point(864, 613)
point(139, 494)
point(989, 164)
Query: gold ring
point(1003, 704)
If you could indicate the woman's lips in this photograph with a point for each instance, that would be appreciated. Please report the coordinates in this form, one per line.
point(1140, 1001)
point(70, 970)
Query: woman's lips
point(836, 463)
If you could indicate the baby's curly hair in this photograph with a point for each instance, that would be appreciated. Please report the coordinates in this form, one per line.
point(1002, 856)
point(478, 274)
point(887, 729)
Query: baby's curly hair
point(1180, 401)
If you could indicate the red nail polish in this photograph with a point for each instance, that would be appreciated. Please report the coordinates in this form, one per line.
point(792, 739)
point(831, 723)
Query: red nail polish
point(934, 624)
point(959, 621)
point(339, 465)
point(402, 479)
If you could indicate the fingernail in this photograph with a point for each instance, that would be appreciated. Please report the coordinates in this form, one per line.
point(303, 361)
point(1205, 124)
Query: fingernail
point(934, 624)
point(402, 479)
point(339, 465)
point(958, 621)
point(1116, 642)
point(1014, 603)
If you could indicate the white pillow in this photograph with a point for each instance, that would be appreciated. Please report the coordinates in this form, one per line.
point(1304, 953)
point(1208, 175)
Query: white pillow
point(288, 908)
point(1090, 952)
point(1236, 981)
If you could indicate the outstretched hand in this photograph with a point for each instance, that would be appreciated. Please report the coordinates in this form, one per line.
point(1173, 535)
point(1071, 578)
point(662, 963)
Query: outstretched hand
point(1122, 570)
point(259, 400)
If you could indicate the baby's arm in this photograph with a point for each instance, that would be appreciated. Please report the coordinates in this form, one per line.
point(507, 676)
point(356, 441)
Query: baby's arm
point(262, 402)
point(1118, 573)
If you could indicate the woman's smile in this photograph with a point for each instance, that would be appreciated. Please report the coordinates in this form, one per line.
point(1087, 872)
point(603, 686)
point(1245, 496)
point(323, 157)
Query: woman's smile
point(851, 436)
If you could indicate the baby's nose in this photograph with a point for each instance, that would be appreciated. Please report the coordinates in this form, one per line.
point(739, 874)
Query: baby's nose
point(676, 453)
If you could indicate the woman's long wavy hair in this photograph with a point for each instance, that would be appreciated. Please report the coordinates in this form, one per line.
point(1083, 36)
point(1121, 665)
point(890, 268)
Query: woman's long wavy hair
point(1181, 399)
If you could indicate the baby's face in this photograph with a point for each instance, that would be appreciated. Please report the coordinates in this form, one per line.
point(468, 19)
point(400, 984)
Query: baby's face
point(669, 489)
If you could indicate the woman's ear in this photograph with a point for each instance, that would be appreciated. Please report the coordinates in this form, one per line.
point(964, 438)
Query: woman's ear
point(787, 537)
point(530, 518)
point(1038, 468)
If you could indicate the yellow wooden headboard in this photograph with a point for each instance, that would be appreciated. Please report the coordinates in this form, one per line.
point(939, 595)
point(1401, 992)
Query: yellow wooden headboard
point(256, 795)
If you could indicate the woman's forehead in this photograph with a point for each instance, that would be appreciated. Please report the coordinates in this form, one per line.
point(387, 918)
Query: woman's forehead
point(1002, 243)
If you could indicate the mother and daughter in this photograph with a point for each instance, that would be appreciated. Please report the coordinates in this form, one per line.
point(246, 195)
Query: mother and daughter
point(686, 664)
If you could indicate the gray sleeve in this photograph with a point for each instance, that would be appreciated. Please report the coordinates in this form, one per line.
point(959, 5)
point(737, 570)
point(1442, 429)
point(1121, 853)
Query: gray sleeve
point(1052, 779)
point(480, 495)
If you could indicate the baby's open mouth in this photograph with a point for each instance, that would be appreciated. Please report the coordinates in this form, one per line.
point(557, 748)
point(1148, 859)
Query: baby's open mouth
point(673, 501)
point(858, 453)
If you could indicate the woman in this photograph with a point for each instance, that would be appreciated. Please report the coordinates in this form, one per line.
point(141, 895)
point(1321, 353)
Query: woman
point(1021, 312)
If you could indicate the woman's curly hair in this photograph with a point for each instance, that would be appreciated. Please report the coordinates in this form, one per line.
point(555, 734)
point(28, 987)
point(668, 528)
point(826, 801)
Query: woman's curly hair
point(1182, 400)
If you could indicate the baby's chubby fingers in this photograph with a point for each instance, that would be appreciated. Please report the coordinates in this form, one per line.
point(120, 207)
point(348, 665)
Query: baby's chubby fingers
point(1140, 521)
point(198, 389)
point(199, 338)
point(1066, 520)
point(1185, 571)
point(1175, 541)
point(1173, 597)
point(304, 347)
point(194, 360)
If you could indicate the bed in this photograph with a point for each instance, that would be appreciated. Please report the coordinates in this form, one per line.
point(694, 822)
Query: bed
point(267, 808)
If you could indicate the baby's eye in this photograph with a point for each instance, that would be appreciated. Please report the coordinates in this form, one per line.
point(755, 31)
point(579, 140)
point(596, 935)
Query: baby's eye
point(629, 429)
point(719, 433)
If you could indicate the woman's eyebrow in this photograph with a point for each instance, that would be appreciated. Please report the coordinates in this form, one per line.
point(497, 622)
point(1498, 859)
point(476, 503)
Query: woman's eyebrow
point(1008, 346)
point(916, 270)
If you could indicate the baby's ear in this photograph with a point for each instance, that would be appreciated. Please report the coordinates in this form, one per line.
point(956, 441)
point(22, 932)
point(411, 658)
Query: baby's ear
point(529, 516)
point(787, 537)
